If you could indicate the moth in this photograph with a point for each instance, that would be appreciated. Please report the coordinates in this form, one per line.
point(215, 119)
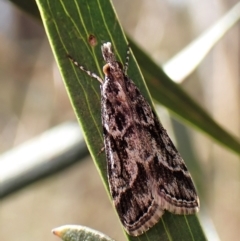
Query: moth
point(146, 173)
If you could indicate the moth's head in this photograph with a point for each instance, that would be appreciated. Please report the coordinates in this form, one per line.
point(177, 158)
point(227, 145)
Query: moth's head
point(109, 57)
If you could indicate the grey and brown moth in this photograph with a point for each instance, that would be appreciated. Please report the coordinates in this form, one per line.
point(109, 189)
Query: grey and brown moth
point(146, 173)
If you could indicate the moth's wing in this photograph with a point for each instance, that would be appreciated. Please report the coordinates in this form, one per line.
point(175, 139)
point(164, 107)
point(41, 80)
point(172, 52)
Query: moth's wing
point(126, 150)
point(172, 188)
point(145, 171)
point(131, 193)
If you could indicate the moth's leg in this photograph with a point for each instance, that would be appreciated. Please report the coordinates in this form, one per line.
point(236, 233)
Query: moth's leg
point(93, 75)
point(127, 60)
point(101, 151)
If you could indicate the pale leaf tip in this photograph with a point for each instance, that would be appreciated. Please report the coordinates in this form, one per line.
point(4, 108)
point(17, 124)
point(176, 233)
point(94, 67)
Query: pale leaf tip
point(60, 231)
point(57, 231)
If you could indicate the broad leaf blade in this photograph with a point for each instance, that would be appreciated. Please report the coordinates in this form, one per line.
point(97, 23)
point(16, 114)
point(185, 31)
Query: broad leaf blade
point(68, 25)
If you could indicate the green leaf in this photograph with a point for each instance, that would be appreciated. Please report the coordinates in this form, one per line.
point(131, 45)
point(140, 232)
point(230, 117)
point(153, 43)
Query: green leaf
point(79, 233)
point(69, 25)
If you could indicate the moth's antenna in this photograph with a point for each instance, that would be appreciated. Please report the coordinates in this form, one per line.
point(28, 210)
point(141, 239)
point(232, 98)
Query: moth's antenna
point(127, 60)
point(93, 75)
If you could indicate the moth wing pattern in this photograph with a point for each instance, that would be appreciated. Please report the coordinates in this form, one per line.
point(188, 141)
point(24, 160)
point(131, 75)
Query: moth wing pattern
point(146, 173)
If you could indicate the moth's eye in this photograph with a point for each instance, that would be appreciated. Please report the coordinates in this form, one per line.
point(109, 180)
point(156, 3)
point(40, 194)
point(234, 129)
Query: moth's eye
point(106, 69)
